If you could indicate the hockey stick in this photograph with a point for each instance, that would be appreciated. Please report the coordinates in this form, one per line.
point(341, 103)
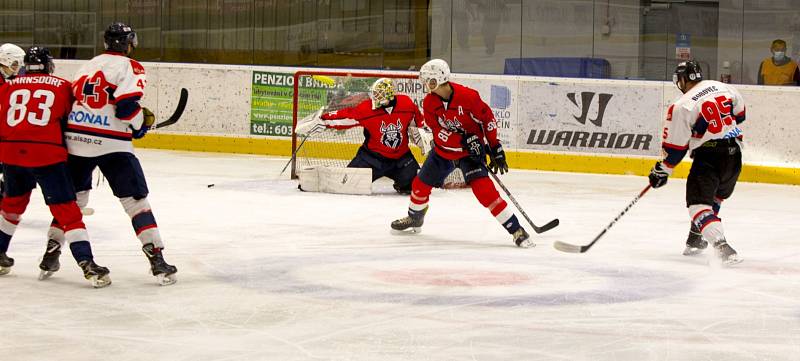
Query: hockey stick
point(550, 225)
point(176, 115)
point(570, 248)
point(311, 132)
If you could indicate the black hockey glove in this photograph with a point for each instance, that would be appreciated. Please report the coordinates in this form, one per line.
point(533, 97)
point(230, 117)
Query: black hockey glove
point(659, 175)
point(497, 160)
point(472, 145)
point(149, 120)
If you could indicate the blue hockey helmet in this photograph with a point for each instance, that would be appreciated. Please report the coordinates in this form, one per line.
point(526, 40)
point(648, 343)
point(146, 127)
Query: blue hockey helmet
point(39, 60)
point(118, 36)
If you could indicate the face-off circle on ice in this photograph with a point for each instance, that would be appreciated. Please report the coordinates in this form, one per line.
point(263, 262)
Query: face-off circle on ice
point(494, 281)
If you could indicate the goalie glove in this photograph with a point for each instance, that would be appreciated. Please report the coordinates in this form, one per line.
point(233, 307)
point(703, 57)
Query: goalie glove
point(310, 123)
point(659, 175)
point(422, 138)
point(497, 160)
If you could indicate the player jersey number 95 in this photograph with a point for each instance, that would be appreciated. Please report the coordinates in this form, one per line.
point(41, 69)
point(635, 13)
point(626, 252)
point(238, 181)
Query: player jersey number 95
point(33, 107)
point(718, 113)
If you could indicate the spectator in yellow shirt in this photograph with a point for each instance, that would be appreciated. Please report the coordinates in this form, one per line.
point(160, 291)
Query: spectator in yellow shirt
point(778, 69)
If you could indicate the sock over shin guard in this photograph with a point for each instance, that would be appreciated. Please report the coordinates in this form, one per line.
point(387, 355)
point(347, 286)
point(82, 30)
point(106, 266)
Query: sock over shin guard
point(10, 215)
point(484, 190)
point(143, 221)
point(420, 194)
point(705, 218)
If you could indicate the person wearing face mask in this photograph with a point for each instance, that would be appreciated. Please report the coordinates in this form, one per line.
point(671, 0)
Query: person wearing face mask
point(778, 69)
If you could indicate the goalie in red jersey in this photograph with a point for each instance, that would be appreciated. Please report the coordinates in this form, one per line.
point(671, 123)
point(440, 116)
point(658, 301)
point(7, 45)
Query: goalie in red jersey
point(463, 129)
point(386, 118)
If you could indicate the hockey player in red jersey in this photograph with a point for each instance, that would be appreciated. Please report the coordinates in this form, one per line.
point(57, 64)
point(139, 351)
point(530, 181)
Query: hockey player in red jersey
point(34, 108)
point(704, 122)
point(105, 117)
point(464, 129)
point(386, 118)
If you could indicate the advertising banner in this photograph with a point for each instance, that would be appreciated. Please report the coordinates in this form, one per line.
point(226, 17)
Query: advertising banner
point(500, 93)
point(271, 104)
point(591, 117)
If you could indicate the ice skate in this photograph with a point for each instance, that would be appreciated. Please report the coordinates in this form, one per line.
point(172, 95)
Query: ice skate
point(726, 254)
point(164, 272)
point(695, 244)
point(522, 239)
point(411, 223)
point(50, 264)
point(6, 263)
point(98, 275)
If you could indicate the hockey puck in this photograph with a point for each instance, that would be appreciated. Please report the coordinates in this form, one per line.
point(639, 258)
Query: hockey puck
point(211, 185)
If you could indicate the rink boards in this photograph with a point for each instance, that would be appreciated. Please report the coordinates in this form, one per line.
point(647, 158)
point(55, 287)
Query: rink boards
point(557, 124)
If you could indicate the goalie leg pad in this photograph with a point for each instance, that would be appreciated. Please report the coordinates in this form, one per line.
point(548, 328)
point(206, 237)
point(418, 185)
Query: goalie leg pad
point(336, 180)
point(309, 179)
point(346, 180)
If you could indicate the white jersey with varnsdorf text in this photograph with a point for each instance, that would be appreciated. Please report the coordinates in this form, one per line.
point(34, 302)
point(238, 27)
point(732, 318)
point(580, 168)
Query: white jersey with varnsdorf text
point(710, 110)
point(93, 128)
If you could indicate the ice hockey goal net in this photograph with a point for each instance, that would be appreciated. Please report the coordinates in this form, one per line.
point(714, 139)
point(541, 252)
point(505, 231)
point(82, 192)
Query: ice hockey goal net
point(328, 91)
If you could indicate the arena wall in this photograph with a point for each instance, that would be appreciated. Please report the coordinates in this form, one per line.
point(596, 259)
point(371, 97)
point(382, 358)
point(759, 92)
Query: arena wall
point(554, 124)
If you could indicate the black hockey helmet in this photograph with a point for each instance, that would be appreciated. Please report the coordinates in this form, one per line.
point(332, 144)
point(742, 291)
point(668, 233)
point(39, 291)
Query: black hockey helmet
point(688, 71)
point(118, 36)
point(39, 60)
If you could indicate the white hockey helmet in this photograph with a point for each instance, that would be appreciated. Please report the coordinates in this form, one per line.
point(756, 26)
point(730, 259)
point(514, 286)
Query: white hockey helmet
point(381, 92)
point(434, 73)
point(12, 58)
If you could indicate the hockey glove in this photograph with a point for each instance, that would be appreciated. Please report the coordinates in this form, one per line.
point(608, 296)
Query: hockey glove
point(472, 145)
point(497, 160)
point(149, 117)
point(659, 175)
point(149, 120)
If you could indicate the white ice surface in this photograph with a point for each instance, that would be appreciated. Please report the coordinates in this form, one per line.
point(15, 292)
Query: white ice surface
point(269, 273)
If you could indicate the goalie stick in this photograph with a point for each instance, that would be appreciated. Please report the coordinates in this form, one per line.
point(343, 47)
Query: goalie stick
point(311, 132)
point(550, 225)
point(571, 248)
point(176, 115)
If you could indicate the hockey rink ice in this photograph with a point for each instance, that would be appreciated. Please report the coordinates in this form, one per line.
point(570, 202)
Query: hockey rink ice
point(267, 272)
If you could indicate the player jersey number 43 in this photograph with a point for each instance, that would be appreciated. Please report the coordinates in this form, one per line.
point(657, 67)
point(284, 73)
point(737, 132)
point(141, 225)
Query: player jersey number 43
point(96, 124)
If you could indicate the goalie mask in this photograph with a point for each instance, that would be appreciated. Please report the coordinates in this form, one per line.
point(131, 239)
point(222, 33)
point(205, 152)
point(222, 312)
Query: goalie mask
point(434, 73)
point(381, 92)
point(12, 58)
point(685, 72)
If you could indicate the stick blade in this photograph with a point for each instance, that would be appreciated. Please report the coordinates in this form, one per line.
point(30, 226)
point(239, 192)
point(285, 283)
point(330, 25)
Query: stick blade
point(550, 225)
point(176, 115)
point(569, 248)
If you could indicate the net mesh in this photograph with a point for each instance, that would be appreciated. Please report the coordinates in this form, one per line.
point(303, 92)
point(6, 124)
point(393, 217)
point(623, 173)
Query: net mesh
point(316, 145)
